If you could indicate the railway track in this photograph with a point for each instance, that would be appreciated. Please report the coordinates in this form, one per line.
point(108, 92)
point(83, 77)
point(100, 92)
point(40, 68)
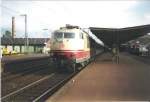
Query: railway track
point(11, 76)
point(38, 90)
point(22, 66)
point(21, 81)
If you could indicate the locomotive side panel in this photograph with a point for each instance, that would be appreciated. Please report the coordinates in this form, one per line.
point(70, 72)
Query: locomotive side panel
point(85, 53)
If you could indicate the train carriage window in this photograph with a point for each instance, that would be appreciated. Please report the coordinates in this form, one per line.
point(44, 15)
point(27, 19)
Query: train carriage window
point(69, 35)
point(58, 35)
point(81, 35)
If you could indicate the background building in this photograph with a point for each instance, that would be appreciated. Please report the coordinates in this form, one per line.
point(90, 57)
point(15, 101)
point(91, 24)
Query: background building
point(36, 45)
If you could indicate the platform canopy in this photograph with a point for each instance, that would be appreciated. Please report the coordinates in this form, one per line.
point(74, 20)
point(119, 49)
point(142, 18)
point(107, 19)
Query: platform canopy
point(119, 36)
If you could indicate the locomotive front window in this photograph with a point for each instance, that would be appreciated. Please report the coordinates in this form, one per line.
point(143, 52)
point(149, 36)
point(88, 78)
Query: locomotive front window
point(69, 35)
point(58, 35)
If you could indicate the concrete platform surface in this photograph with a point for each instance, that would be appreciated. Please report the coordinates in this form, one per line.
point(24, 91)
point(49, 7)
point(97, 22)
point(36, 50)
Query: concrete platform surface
point(21, 57)
point(104, 80)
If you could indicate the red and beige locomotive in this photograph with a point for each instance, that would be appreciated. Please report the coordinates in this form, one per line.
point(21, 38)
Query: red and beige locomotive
point(70, 46)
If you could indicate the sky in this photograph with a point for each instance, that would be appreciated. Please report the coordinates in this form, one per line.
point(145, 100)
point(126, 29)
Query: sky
point(52, 15)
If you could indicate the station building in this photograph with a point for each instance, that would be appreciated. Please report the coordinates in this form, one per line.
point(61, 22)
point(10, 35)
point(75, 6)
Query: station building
point(35, 45)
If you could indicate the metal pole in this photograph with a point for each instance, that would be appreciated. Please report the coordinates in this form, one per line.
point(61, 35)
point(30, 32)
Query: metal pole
point(45, 30)
point(26, 34)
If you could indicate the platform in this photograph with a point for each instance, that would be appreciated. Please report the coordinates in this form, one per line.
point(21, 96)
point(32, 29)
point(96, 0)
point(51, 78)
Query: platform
point(6, 59)
point(104, 80)
point(9, 62)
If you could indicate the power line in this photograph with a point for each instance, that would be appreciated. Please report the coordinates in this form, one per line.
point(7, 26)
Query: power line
point(17, 12)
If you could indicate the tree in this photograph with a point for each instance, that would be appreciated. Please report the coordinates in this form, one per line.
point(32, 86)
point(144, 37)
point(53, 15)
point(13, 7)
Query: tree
point(7, 34)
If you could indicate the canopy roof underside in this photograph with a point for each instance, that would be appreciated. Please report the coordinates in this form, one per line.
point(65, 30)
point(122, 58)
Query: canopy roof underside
point(119, 36)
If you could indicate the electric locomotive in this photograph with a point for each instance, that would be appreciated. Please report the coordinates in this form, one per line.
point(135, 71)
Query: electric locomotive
point(70, 47)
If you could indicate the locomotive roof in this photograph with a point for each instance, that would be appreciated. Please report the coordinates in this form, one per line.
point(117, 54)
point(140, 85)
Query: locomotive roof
point(112, 36)
point(65, 29)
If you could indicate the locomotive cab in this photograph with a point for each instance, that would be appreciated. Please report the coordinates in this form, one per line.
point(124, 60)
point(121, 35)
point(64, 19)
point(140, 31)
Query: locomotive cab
point(66, 40)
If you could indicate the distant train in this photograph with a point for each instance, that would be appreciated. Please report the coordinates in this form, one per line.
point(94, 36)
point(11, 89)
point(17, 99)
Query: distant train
point(139, 49)
point(70, 47)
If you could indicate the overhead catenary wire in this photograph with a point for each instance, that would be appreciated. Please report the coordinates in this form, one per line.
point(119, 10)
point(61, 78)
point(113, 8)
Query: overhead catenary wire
point(12, 10)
